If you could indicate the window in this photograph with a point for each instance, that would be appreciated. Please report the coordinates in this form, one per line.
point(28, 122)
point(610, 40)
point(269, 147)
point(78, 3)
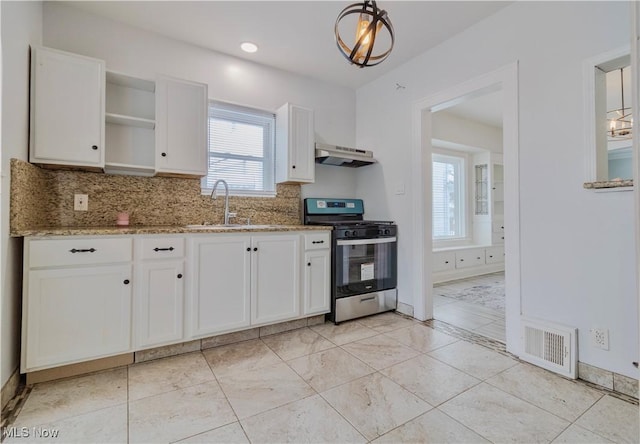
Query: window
point(241, 149)
point(448, 197)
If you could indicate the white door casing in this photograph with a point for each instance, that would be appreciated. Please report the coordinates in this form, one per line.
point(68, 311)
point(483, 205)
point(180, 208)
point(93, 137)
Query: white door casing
point(505, 78)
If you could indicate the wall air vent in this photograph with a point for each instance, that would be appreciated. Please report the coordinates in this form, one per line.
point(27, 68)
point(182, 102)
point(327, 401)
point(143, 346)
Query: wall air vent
point(550, 346)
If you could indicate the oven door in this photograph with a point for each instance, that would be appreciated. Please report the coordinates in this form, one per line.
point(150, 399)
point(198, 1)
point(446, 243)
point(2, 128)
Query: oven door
point(364, 265)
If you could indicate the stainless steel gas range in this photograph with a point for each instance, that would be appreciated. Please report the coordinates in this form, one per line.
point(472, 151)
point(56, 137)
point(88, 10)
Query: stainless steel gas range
point(364, 258)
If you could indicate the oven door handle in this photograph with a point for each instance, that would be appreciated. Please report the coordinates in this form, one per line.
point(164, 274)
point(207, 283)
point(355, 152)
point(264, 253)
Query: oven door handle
point(380, 240)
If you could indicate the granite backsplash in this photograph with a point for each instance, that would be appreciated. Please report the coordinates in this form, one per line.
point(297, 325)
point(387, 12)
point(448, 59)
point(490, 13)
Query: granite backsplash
point(44, 198)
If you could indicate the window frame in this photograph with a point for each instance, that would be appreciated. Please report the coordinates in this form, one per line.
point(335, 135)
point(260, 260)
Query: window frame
point(258, 117)
point(462, 159)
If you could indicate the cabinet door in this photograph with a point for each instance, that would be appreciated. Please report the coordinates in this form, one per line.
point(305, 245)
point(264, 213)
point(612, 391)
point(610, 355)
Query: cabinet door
point(295, 154)
point(494, 255)
point(275, 285)
point(317, 282)
point(220, 276)
point(181, 127)
point(76, 314)
point(159, 302)
point(469, 258)
point(67, 109)
point(444, 260)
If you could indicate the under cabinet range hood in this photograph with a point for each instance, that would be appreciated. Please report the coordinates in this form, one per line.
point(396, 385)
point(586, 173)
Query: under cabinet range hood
point(343, 156)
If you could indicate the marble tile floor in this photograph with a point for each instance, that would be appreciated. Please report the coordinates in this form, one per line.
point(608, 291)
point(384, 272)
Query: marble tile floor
point(478, 318)
point(386, 378)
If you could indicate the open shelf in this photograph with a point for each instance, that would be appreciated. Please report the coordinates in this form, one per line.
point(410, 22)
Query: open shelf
point(129, 169)
point(121, 119)
point(127, 81)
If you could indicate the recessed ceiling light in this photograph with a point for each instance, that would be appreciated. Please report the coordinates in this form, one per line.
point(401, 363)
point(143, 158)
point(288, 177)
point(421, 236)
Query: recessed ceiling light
point(249, 47)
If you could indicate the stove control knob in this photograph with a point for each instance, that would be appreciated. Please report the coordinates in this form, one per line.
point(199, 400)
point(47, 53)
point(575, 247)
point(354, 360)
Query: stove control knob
point(346, 233)
point(354, 232)
point(387, 231)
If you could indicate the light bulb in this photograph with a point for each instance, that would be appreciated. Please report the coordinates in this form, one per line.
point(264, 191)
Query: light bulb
point(363, 24)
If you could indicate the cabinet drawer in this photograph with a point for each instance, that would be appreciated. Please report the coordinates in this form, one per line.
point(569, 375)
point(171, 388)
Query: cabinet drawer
point(86, 251)
point(494, 255)
point(444, 260)
point(497, 226)
point(159, 248)
point(497, 238)
point(469, 258)
point(317, 241)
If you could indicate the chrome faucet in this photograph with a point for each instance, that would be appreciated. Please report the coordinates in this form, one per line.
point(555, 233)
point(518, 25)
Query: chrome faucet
point(226, 199)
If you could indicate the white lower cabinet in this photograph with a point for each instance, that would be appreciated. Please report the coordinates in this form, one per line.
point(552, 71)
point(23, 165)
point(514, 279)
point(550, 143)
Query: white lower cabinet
point(159, 291)
point(220, 279)
point(494, 255)
point(466, 262)
point(275, 282)
point(444, 260)
point(86, 298)
point(76, 300)
point(469, 258)
point(317, 274)
point(251, 280)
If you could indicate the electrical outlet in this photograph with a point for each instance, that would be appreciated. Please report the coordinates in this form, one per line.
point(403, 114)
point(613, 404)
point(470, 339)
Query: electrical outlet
point(600, 338)
point(81, 202)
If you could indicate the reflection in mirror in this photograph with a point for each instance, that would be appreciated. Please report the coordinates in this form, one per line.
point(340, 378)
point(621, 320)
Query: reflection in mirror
point(614, 119)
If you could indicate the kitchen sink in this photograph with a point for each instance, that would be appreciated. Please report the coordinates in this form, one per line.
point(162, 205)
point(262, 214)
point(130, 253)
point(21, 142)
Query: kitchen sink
point(229, 226)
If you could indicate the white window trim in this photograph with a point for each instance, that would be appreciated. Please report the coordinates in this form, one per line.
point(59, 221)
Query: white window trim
point(464, 239)
point(269, 156)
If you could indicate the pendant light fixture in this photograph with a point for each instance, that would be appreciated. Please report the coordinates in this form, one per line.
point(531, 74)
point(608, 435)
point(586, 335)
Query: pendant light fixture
point(372, 28)
point(620, 120)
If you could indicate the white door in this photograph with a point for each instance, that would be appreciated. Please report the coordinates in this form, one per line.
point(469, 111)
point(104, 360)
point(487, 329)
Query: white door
point(67, 108)
point(181, 127)
point(159, 302)
point(220, 276)
point(317, 282)
point(77, 314)
point(275, 285)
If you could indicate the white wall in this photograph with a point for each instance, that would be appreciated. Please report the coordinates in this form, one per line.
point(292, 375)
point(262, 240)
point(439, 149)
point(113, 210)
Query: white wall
point(577, 247)
point(145, 54)
point(469, 133)
point(21, 26)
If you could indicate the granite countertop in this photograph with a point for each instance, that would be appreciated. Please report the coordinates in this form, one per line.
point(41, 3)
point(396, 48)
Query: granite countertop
point(616, 183)
point(161, 229)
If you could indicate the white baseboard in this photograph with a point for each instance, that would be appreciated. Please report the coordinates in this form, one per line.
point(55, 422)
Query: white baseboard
point(461, 273)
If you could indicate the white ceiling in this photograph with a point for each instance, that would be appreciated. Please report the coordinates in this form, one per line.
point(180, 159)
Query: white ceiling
point(296, 36)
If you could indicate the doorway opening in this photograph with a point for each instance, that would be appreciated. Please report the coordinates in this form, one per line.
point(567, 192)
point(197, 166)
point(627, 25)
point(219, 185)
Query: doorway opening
point(470, 231)
point(467, 204)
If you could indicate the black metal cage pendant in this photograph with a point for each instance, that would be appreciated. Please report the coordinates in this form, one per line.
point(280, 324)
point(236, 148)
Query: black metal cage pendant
point(371, 21)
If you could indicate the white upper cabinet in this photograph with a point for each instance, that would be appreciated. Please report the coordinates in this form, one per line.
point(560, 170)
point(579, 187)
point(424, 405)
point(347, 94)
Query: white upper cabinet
point(295, 155)
point(181, 127)
point(67, 109)
point(83, 116)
